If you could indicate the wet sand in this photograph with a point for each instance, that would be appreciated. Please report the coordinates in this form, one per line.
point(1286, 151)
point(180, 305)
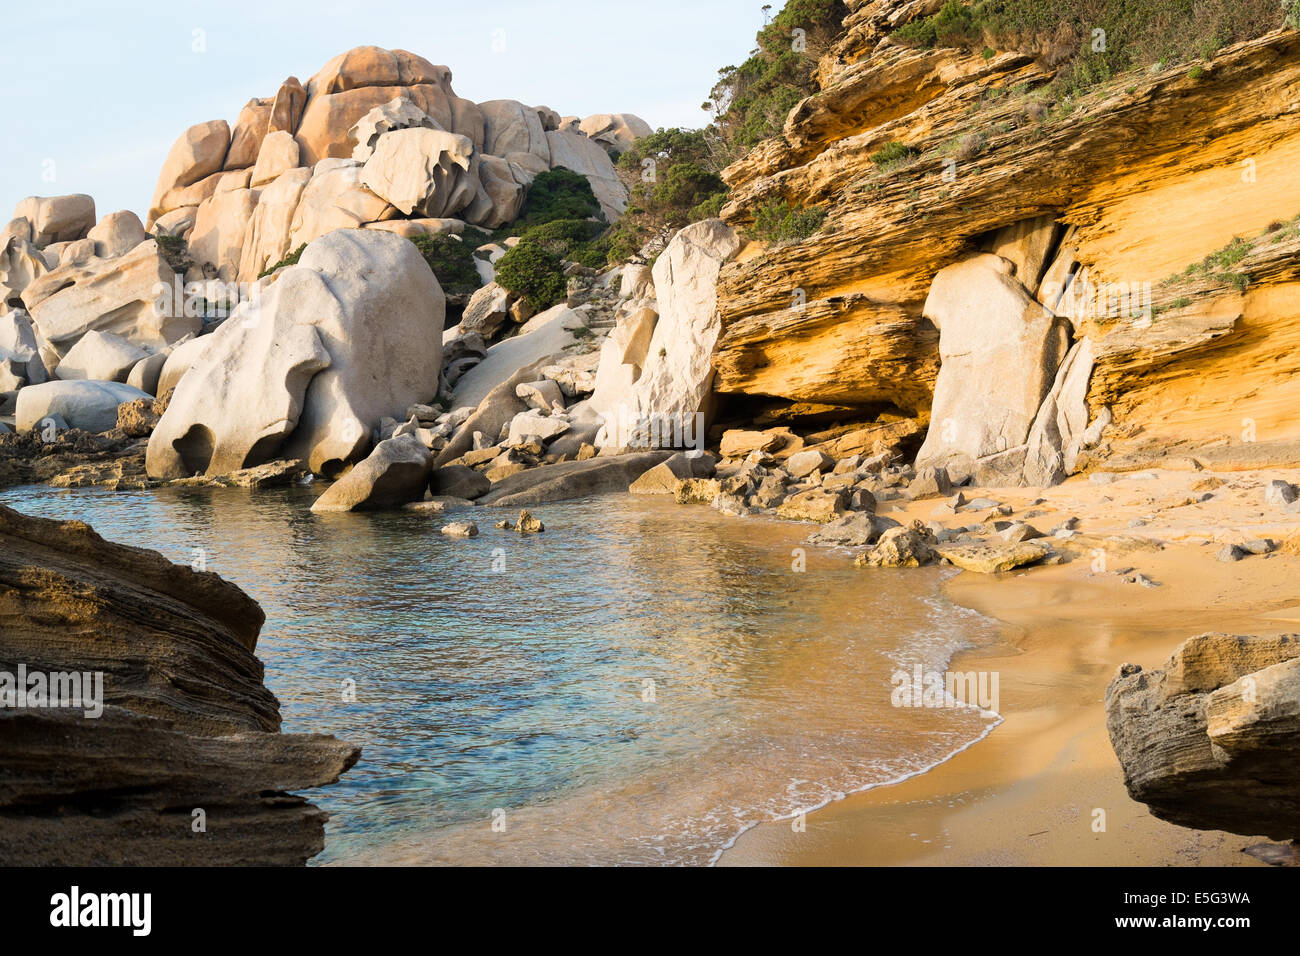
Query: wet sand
point(1029, 793)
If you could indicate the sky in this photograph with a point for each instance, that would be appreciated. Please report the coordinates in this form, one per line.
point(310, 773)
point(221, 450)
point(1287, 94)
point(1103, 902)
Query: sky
point(94, 93)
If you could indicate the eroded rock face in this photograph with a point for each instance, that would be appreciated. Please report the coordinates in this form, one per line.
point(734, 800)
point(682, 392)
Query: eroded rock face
point(397, 113)
point(352, 84)
point(1212, 739)
point(310, 369)
point(1113, 175)
point(999, 350)
point(676, 380)
point(185, 721)
point(423, 172)
point(109, 295)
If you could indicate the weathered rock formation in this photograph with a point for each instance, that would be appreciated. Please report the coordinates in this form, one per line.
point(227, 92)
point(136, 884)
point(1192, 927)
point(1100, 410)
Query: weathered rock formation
point(178, 758)
point(309, 368)
point(1212, 739)
point(374, 136)
point(1086, 215)
point(662, 363)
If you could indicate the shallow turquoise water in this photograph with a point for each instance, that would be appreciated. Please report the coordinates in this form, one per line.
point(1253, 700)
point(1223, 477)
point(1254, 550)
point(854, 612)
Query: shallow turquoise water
point(506, 678)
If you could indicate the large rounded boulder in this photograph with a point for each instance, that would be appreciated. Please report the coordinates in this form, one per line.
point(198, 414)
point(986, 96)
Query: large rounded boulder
point(307, 368)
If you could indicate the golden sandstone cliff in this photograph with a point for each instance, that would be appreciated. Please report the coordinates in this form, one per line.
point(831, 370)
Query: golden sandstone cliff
point(1086, 337)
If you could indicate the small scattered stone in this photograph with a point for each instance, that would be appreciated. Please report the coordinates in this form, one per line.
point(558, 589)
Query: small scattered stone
point(1230, 552)
point(1279, 493)
point(460, 529)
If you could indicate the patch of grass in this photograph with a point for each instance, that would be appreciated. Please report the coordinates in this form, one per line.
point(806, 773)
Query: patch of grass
point(1196, 73)
point(1219, 266)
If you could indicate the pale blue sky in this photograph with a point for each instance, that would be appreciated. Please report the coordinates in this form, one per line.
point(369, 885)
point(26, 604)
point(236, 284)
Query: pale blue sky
point(95, 92)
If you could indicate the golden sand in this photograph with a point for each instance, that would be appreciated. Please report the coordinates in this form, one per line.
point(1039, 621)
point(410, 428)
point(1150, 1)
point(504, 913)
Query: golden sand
point(1034, 792)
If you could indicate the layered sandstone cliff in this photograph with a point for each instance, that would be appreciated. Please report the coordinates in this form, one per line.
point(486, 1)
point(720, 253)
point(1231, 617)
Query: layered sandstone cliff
point(1142, 295)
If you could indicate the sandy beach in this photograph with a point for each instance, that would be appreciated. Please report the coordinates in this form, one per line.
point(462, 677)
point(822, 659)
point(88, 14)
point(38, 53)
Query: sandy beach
point(1029, 793)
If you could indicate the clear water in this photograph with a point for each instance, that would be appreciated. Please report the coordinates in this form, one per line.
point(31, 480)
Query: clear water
point(503, 683)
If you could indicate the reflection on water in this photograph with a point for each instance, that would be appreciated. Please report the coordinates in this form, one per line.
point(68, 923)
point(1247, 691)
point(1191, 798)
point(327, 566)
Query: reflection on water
point(640, 683)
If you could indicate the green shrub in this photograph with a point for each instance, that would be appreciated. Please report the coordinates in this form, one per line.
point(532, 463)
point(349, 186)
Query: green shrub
point(750, 102)
point(1291, 9)
point(558, 194)
point(534, 272)
point(176, 252)
point(781, 222)
point(711, 208)
point(672, 181)
point(452, 261)
point(892, 155)
point(577, 240)
point(290, 260)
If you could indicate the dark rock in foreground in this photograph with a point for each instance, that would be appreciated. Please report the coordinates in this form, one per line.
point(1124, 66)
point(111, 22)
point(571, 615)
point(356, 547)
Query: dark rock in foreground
point(186, 722)
point(1212, 740)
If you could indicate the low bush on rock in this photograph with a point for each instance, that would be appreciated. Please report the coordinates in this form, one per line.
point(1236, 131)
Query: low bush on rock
point(452, 262)
point(557, 194)
point(290, 260)
point(780, 222)
point(1091, 41)
point(175, 251)
point(534, 272)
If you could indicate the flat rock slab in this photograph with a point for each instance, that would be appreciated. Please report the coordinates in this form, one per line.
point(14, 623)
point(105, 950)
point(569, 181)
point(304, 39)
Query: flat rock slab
point(992, 558)
point(604, 474)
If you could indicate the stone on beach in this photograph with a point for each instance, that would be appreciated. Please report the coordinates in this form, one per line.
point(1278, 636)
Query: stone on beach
point(1212, 739)
point(101, 356)
point(458, 481)
point(993, 558)
point(573, 479)
point(664, 478)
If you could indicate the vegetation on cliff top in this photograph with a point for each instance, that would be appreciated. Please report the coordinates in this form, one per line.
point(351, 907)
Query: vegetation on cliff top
point(674, 177)
point(750, 102)
point(1091, 41)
